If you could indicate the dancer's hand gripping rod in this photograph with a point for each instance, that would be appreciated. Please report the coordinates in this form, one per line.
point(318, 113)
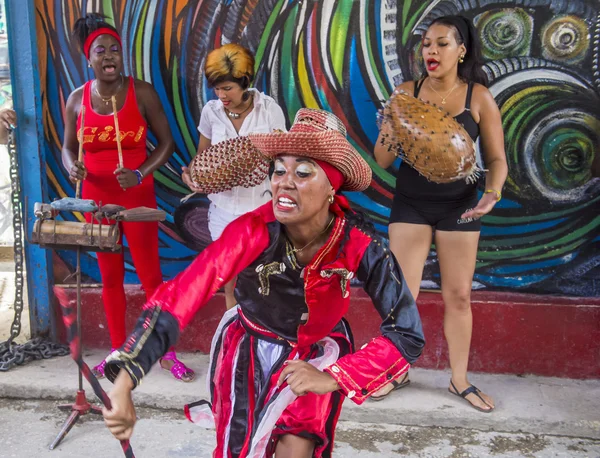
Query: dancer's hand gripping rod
point(70, 319)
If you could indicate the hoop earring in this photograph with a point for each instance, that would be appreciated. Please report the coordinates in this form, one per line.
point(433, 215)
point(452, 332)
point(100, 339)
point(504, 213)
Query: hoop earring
point(461, 59)
point(331, 199)
point(245, 96)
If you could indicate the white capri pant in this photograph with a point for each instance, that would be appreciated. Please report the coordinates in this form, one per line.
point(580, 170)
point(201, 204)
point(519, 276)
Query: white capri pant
point(218, 219)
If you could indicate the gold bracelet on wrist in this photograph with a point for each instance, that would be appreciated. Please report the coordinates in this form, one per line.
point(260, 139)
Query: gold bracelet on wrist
point(498, 194)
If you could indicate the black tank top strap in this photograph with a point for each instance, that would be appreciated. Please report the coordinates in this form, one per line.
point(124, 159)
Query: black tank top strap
point(418, 85)
point(469, 94)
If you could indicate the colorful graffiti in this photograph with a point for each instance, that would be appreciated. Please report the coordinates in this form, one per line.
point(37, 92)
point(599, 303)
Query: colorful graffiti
point(346, 56)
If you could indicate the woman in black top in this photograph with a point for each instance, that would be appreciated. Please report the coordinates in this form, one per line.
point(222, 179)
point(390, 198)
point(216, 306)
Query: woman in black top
point(456, 82)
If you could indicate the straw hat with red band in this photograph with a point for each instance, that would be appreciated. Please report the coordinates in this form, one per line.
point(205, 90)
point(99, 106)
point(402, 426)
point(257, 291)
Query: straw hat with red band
point(95, 34)
point(321, 136)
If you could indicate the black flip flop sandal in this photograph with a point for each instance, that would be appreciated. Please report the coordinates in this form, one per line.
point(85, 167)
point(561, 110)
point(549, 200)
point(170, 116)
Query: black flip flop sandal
point(471, 390)
point(397, 386)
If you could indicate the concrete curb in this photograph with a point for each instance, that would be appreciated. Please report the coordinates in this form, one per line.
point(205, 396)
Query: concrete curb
point(536, 405)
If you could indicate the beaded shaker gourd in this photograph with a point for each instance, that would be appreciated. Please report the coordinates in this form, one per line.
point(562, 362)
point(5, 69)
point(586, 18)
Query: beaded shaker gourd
point(230, 163)
point(429, 139)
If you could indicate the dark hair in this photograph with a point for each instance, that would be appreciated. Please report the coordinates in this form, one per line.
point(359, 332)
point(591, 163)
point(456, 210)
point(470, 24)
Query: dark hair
point(231, 62)
point(356, 219)
point(89, 23)
point(465, 33)
point(359, 220)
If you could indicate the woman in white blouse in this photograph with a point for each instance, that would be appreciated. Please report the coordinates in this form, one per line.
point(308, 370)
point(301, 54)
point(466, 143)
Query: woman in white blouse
point(238, 111)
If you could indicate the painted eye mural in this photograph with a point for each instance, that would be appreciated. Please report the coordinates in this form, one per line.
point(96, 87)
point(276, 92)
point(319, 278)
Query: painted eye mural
point(346, 56)
point(505, 33)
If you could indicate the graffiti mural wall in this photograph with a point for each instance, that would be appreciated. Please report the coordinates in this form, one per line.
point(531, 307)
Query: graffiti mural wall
point(347, 56)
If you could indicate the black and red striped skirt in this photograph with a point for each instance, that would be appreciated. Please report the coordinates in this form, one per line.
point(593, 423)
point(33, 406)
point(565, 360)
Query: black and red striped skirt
point(249, 412)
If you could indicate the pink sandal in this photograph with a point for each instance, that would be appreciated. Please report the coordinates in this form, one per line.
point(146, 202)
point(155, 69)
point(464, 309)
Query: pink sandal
point(179, 370)
point(98, 370)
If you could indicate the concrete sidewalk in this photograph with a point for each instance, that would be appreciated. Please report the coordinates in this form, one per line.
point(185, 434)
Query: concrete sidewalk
point(534, 405)
point(7, 299)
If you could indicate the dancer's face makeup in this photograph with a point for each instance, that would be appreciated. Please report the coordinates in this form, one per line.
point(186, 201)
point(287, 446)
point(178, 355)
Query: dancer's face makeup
point(106, 58)
point(300, 189)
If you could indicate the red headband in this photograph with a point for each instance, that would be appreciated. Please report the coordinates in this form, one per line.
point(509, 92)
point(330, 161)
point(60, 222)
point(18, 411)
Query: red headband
point(336, 178)
point(95, 34)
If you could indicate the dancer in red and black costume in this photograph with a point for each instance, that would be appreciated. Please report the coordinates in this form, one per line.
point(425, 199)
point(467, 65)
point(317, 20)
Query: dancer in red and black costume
point(130, 186)
point(282, 360)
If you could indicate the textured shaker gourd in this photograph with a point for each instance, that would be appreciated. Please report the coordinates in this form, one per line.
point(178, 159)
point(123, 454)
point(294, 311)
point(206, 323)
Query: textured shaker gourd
point(429, 139)
point(231, 163)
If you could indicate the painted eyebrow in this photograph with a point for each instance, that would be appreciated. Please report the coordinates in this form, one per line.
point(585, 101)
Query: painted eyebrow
point(305, 159)
point(299, 159)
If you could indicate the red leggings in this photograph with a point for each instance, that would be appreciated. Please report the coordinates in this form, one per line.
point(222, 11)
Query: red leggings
point(143, 245)
point(101, 185)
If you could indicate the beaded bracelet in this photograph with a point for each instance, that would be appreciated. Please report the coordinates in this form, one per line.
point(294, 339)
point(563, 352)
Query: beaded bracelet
point(139, 176)
point(498, 194)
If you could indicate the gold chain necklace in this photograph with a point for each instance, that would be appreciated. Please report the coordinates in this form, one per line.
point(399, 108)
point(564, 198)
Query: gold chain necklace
point(299, 250)
point(105, 99)
point(289, 252)
point(440, 95)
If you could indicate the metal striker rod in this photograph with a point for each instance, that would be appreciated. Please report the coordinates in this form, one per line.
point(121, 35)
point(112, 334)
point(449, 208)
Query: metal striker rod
point(78, 196)
point(80, 155)
point(79, 310)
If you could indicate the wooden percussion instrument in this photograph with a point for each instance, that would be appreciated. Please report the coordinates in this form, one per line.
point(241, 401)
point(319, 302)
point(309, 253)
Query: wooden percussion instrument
point(93, 236)
point(71, 234)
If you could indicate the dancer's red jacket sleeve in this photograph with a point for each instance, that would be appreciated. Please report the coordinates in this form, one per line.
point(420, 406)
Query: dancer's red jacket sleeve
point(387, 357)
point(156, 331)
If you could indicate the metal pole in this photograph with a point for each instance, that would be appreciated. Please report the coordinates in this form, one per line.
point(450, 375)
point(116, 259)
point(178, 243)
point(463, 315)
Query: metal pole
point(25, 78)
point(79, 309)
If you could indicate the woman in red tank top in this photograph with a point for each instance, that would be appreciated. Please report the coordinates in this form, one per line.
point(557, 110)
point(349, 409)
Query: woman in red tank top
point(138, 108)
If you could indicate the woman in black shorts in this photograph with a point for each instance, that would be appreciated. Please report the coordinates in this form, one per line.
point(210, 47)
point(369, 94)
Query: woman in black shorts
point(456, 82)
